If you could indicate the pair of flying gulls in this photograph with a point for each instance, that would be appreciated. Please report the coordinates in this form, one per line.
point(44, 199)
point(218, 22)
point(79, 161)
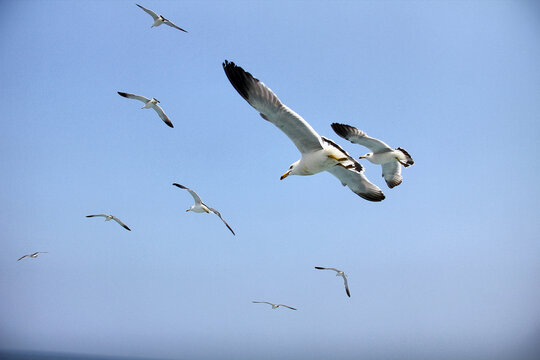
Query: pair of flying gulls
point(198, 207)
point(338, 273)
point(153, 102)
point(320, 153)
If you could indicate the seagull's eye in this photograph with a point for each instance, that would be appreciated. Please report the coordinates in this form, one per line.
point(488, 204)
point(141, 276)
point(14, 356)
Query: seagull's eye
point(290, 167)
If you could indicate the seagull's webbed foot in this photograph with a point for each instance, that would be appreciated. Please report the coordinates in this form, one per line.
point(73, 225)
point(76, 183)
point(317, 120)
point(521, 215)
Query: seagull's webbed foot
point(336, 158)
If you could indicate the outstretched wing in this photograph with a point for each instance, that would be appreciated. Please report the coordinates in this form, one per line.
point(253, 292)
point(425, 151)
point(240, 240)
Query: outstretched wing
point(171, 24)
point(357, 182)
point(218, 214)
point(357, 136)
point(121, 223)
point(325, 268)
point(272, 109)
point(193, 193)
point(22, 257)
point(346, 286)
point(391, 172)
point(162, 115)
point(149, 12)
point(287, 306)
point(101, 215)
point(262, 302)
point(134, 97)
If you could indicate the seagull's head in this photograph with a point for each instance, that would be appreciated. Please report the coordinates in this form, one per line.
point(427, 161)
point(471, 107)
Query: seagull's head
point(367, 156)
point(292, 170)
point(191, 208)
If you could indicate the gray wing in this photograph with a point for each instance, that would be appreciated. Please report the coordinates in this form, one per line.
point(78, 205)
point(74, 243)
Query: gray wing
point(357, 182)
point(325, 268)
point(22, 257)
point(392, 173)
point(162, 115)
point(263, 302)
point(149, 12)
point(218, 214)
point(270, 107)
point(121, 223)
point(171, 24)
point(357, 136)
point(133, 96)
point(193, 193)
point(346, 286)
point(40, 252)
point(102, 215)
point(287, 306)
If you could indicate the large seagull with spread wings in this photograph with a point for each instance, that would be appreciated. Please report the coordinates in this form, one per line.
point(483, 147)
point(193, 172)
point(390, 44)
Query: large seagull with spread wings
point(318, 153)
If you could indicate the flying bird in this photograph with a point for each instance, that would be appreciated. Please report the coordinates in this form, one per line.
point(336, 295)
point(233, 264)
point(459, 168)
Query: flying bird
point(33, 256)
point(159, 19)
point(318, 153)
point(200, 207)
point(110, 217)
point(149, 103)
point(274, 306)
point(390, 159)
point(339, 273)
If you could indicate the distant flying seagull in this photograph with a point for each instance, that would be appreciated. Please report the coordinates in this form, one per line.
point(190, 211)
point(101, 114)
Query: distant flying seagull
point(159, 19)
point(274, 306)
point(149, 103)
point(339, 273)
point(201, 207)
point(110, 217)
point(33, 256)
point(381, 153)
point(318, 153)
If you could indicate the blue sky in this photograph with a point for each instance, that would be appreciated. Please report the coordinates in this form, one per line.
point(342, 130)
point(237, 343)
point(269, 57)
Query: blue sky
point(447, 265)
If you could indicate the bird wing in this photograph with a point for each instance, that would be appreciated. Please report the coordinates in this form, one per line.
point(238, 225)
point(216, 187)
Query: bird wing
point(325, 268)
point(40, 252)
point(193, 193)
point(263, 302)
point(121, 223)
point(22, 257)
point(391, 172)
point(102, 215)
point(133, 96)
point(171, 24)
point(149, 12)
point(357, 182)
point(270, 107)
point(162, 115)
point(357, 136)
point(218, 214)
point(287, 306)
point(346, 286)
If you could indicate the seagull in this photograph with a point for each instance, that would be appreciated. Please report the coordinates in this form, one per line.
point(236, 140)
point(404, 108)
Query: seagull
point(33, 256)
point(339, 273)
point(149, 103)
point(274, 306)
point(159, 19)
point(382, 154)
point(318, 153)
point(110, 217)
point(201, 207)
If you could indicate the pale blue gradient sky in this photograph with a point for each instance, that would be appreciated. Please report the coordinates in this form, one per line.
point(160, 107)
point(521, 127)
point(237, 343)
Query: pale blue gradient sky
point(448, 264)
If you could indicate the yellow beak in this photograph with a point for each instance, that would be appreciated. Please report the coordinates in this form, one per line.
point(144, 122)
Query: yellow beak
point(362, 157)
point(285, 175)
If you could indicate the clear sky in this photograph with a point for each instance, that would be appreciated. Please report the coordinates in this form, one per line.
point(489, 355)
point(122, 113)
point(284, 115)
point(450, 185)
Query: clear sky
point(447, 265)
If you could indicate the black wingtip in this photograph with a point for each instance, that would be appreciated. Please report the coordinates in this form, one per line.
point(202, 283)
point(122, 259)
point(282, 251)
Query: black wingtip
point(180, 186)
point(341, 129)
point(319, 267)
point(239, 78)
point(122, 93)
